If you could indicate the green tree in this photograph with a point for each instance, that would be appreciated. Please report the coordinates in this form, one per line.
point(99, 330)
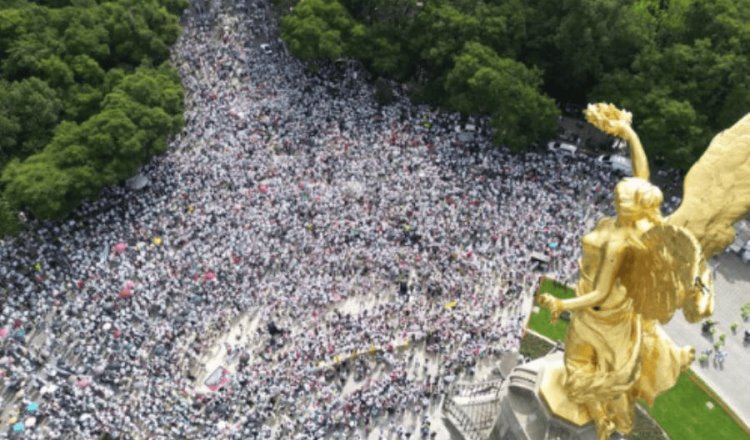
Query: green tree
point(39, 186)
point(318, 30)
point(672, 128)
point(383, 43)
point(78, 162)
point(81, 102)
point(11, 27)
point(595, 37)
point(29, 110)
point(8, 218)
point(114, 145)
point(85, 34)
point(138, 30)
point(502, 26)
point(724, 22)
point(483, 82)
point(387, 56)
point(26, 54)
point(10, 127)
point(682, 95)
point(439, 34)
point(152, 99)
point(175, 7)
point(56, 72)
point(75, 112)
point(541, 26)
point(86, 70)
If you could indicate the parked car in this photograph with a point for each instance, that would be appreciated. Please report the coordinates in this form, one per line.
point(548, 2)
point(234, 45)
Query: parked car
point(620, 164)
point(266, 49)
point(562, 148)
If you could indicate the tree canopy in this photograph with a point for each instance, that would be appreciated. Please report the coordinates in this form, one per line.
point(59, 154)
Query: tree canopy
point(319, 30)
point(81, 105)
point(483, 82)
point(681, 66)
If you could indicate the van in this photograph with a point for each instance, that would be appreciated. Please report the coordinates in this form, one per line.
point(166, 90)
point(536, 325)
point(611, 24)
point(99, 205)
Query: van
point(467, 133)
point(562, 148)
point(620, 164)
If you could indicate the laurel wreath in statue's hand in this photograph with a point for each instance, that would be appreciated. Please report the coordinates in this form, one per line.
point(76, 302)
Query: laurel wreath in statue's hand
point(609, 119)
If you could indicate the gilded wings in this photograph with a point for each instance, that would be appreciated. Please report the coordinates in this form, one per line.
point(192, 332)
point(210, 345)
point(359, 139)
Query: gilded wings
point(668, 273)
point(717, 190)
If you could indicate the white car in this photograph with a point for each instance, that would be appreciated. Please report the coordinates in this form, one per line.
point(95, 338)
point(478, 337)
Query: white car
point(617, 163)
point(562, 148)
point(266, 49)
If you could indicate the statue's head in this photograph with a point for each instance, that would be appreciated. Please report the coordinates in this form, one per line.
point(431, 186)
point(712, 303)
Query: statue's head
point(637, 199)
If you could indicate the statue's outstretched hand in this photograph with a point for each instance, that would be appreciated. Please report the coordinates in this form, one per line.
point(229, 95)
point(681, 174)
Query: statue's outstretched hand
point(553, 304)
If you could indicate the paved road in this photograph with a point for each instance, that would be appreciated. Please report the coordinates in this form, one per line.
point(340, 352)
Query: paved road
point(732, 382)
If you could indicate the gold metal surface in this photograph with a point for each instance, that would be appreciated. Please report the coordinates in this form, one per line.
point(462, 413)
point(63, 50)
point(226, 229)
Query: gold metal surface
point(636, 270)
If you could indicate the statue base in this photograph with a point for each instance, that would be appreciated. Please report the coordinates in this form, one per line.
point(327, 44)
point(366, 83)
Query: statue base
point(518, 407)
point(527, 398)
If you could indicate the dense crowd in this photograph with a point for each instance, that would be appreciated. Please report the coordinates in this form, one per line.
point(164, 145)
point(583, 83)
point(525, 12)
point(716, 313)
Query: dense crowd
point(287, 196)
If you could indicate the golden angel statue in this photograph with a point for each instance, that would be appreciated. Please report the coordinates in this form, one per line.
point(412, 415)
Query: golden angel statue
point(639, 268)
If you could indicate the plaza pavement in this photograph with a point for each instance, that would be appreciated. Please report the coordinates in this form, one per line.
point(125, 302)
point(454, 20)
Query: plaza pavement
point(732, 382)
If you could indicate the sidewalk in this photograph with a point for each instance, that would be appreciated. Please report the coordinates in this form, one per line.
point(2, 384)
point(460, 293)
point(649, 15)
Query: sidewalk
point(730, 383)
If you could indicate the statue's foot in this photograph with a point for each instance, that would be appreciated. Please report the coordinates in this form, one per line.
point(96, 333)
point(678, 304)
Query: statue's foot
point(687, 356)
point(605, 428)
point(622, 414)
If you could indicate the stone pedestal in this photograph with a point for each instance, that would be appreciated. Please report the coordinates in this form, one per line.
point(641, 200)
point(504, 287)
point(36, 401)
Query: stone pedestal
point(525, 409)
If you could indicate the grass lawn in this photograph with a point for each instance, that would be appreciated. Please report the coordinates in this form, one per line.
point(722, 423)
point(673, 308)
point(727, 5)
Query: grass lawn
point(681, 411)
point(540, 321)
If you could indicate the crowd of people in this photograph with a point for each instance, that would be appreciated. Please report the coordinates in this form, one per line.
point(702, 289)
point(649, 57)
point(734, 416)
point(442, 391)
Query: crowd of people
point(287, 195)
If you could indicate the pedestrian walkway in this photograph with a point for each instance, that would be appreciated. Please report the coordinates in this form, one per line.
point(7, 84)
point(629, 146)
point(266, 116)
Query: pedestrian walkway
point(730, 382)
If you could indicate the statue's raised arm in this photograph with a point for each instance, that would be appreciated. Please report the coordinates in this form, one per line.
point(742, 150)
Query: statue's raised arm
point(616, 122)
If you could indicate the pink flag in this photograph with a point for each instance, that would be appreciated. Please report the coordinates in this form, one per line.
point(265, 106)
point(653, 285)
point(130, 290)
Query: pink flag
point(121, 247)
point(125, 293)
point(127, 289)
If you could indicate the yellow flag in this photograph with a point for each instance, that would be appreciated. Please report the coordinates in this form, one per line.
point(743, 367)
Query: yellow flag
point(451, 305)
point(157, 240)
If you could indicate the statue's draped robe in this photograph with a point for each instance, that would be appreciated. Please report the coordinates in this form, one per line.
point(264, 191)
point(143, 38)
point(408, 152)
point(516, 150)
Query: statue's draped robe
point(611, 353)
